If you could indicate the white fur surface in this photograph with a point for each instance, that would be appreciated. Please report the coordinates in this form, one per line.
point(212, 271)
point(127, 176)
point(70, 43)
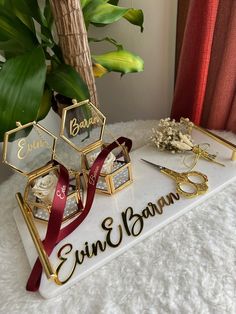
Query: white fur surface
point(187, 267)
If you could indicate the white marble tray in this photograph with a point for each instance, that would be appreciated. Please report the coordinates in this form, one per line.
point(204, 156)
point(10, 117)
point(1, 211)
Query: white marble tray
point(149, 186)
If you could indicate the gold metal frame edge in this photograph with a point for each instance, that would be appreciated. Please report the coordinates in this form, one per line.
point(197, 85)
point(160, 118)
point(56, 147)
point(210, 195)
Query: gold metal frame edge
point(219, 139)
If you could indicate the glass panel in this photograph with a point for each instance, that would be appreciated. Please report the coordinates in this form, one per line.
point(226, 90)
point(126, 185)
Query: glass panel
point(41, 213)
point(41, 205)
point(72, 186)
point(114, 161)
point(41, 190)
point(121, 178)
point(67, 155)
point(29, 148)
point(101, 184)
point(83, 125)
point(71, 209)
point(91, 156)
point(117, 165)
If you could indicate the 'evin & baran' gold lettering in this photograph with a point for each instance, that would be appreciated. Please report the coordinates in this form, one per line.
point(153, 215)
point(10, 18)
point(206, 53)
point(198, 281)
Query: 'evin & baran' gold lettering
point(25, 148)
point(132, 225)
point(84, 124)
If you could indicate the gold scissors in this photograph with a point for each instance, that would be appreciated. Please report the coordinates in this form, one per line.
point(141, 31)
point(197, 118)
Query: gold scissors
point(184, 181)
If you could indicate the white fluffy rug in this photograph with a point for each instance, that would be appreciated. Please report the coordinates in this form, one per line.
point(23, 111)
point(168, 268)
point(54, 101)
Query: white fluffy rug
point(187, 267)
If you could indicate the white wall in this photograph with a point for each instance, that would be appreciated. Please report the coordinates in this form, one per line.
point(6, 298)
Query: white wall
point(146, 95)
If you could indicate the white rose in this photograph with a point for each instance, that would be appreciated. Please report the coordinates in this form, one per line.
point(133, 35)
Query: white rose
point(44, 187)
point(108, 164)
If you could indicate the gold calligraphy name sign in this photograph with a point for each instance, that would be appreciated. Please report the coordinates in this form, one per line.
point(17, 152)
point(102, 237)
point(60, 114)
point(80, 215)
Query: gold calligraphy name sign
point(76, 126)
point(132, 225)
point(25, 148)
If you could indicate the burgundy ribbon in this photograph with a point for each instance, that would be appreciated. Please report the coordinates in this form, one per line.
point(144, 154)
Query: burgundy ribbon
point(54, 232)
point(54, 226)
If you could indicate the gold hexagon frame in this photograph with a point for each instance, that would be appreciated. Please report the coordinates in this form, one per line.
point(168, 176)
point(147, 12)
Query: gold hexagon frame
point(101, 118)
point(19, 128)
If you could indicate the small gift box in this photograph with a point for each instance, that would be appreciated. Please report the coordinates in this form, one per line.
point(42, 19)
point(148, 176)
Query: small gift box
point(83, 128)
point(31, 150)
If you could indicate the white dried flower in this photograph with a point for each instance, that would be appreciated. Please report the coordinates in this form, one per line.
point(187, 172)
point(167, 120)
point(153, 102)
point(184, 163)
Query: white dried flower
point(185, 138)
point(169, 131)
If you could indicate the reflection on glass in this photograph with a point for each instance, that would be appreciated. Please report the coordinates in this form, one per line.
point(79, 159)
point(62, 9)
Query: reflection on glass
point(41, 204)
point(29, 148)
point(83, 125)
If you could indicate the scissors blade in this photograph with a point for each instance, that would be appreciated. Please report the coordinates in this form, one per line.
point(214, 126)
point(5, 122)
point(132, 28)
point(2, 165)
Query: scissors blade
point(151, 163)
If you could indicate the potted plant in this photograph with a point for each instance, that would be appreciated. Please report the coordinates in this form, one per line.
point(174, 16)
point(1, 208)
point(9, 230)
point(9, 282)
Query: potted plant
point(34, 66)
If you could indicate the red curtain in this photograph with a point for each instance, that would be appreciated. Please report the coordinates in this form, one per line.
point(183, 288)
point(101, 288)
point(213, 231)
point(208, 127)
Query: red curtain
point(206, 79)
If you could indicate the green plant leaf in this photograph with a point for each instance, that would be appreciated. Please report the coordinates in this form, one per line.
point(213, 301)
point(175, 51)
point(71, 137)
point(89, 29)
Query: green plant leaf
point(66, 81)
point(135, 17)
point(103, 13)
point(27, 20)
point(57, 54)
point(48, 14)
point(22, 82)
point(47, 22)
point(11, 28)
point(45, 104)
point(30, 8)
point(84, 3)
point(114, 2)
point(11, 46)
point(23, 16)
point(108, 39)
point(121, 61)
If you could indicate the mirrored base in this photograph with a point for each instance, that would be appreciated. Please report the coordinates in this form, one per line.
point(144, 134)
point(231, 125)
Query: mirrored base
point(70, 211)
point(119, 179)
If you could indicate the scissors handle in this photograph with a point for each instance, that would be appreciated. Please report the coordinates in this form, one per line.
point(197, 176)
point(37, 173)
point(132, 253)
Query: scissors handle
point(185, 186)
point(196, 189)
point(197, 174)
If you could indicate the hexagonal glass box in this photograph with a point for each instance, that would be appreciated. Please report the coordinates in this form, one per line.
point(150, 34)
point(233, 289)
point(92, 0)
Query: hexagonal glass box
point(83, 128)
point(30, 150)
